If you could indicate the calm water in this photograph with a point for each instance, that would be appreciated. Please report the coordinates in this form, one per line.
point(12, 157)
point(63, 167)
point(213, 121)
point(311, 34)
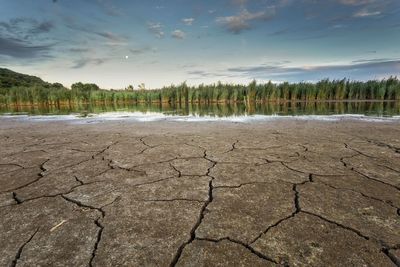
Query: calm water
point(375, 109)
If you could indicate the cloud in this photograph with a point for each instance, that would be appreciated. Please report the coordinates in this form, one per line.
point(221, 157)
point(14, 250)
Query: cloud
point(357, 2)
point(366, 13)
point(82, 62)
point(197, 72)
point(373, 60)
point(110, 36)
point(113, 38)
point(156, 28)
point(142, 50)
point(78, 50)
point(188, 21)
point(363, 69)
point(349, 10)
point(26, 26)
point(24, 38)
point(205, 74)
point(178, 34)
point(44, 27)
point(368, 8)
point(22, 49)
point(240, 22)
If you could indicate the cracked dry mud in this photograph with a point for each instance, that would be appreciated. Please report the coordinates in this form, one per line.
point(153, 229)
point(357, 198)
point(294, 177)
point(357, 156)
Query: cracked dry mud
point(290, 193)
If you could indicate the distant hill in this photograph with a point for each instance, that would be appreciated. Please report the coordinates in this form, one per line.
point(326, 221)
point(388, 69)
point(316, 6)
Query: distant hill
point(9, 78)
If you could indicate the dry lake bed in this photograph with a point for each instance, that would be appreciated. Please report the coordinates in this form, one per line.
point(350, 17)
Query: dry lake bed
point(283, 192)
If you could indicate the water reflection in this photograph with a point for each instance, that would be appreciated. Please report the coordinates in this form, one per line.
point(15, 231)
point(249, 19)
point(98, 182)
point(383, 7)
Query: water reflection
point(219, 110)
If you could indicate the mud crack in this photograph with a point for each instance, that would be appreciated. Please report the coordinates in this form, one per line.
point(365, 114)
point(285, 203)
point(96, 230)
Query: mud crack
point(382, 144)
point(296, 211)
point(233, 146)
point(21, 248)
point(249, 248)
point(96, 222)
point(201, 215)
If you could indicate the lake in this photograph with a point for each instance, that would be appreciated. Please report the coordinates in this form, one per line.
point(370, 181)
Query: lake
point(364, 109)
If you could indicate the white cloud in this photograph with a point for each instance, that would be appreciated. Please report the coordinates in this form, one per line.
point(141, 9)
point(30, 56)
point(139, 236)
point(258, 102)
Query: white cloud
point(156, 29)
point(365, 13)
point(188, 21)
point(368, 8)
point(178, 34)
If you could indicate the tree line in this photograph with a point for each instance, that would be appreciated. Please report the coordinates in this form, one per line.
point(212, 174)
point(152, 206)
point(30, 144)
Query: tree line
point(180, 95)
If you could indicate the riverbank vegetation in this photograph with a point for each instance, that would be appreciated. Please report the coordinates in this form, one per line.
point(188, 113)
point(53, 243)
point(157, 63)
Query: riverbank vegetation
point(19, 89)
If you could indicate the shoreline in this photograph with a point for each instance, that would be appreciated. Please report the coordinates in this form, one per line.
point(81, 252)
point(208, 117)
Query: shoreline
point(139, 117)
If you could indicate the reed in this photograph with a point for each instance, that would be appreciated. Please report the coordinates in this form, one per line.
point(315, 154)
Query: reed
point(182, 95)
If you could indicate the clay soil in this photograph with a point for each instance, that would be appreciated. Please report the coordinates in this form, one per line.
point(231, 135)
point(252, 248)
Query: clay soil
point(291, 193)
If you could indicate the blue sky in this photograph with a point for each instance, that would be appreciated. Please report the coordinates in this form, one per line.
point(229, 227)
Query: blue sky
point(159, 42)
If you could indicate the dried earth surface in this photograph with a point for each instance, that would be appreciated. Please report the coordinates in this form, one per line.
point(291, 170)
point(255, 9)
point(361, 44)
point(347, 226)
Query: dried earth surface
point(277, 193)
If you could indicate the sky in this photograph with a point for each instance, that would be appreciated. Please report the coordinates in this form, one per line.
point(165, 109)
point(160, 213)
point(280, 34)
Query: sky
point(116, 43)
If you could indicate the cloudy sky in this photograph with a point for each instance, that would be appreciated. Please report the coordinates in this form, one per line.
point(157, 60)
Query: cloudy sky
point(115, 43)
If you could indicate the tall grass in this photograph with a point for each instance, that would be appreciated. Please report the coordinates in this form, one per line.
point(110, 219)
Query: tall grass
point(181, 95)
